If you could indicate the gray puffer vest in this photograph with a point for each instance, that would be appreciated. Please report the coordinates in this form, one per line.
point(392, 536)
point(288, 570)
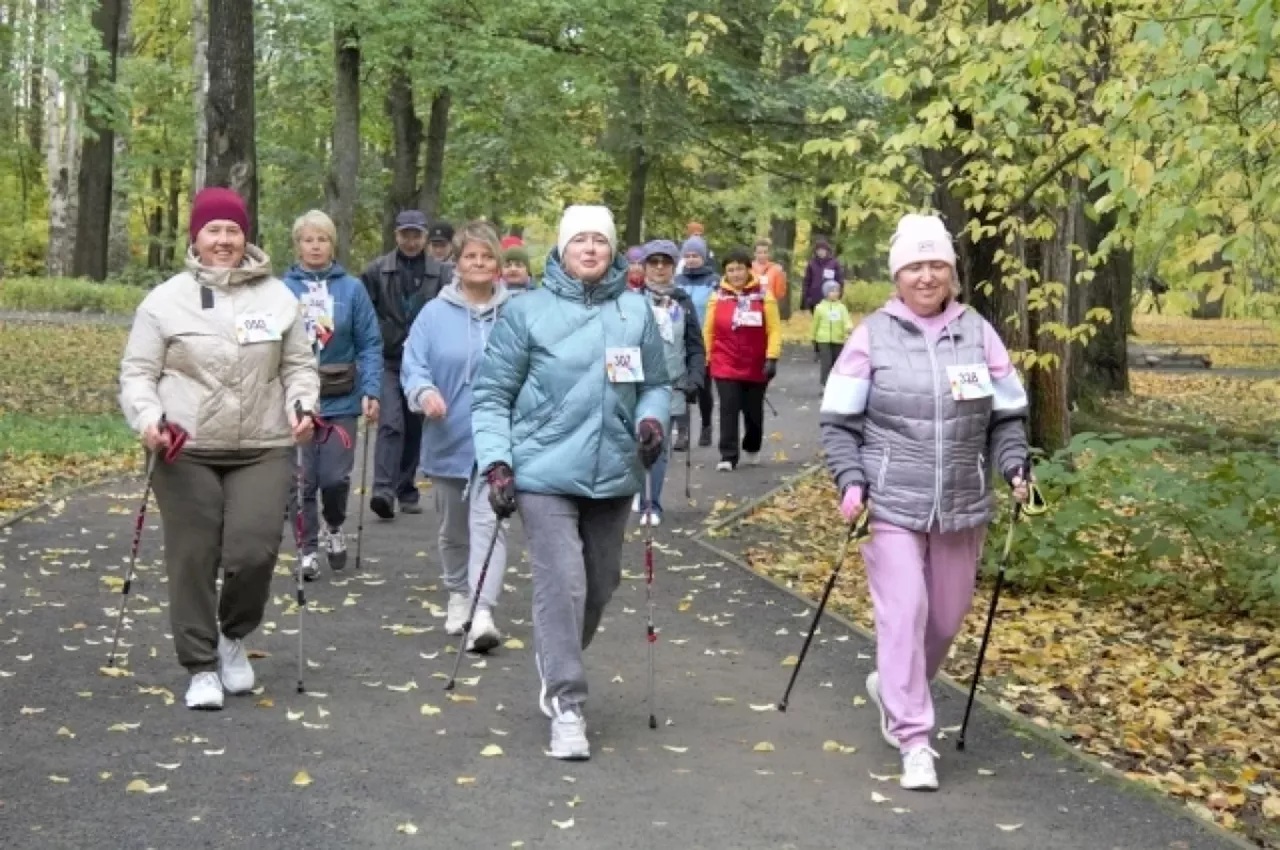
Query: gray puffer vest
point(924, 453)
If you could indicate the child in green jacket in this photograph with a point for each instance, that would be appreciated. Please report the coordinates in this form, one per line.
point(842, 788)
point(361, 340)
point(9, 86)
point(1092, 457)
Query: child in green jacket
point(831, 327)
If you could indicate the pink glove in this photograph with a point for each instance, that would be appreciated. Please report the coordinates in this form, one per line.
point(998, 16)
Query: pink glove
point(851, 505)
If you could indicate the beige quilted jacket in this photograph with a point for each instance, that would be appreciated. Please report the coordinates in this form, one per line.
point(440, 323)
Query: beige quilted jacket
point(185, 359)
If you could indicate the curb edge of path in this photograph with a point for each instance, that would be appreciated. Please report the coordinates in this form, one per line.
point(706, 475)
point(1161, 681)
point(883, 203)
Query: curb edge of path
point(1048, 737)
point(77, 489)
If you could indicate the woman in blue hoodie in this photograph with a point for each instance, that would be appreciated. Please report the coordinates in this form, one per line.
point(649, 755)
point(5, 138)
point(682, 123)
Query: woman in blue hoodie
point(343, 328)
point(699, 278)
point(445, 349)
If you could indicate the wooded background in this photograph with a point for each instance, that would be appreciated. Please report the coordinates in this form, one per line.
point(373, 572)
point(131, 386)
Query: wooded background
point(1078, 148)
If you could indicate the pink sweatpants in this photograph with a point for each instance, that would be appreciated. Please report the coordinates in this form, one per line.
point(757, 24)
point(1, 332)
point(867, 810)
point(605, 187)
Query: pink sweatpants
point(922, 587)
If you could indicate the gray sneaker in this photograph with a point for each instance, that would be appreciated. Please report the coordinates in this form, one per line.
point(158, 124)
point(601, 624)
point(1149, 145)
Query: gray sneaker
point(335, 546)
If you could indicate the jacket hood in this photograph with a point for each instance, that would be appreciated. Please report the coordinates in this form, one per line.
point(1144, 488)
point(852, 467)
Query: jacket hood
point(298, 273)
point(453, 295)
point(556, 279)
point(752, 285)
point(255, 266)
point(700, 272)
point(898, 308)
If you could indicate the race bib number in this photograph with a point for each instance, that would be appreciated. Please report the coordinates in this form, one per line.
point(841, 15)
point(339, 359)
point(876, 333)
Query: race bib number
point(750, 319)
point(833, 314)
point(317, 314)
point(256, 327)
point(970, 382)
point(624, 365)
point(828, 274)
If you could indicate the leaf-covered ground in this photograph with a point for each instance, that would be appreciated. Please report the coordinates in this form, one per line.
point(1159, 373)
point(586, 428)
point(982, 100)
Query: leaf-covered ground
point(1229, 343)
point(1188, 704)
point(60, 423)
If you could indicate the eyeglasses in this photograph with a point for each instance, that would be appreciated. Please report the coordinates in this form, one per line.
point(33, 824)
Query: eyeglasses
point(660, 260)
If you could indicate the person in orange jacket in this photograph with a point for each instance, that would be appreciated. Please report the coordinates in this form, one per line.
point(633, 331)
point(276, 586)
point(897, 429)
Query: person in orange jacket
point(743, 336)
point(771, 275)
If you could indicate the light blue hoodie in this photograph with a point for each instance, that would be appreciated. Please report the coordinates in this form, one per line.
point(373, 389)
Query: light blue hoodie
point(444, 351)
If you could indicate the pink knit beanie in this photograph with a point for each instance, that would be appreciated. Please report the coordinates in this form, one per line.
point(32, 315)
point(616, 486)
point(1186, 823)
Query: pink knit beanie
point(918, 239)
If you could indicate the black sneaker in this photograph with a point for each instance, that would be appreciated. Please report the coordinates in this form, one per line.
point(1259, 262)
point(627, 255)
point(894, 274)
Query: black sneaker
point(682, 442)
point(704, 439)
point(383, 505)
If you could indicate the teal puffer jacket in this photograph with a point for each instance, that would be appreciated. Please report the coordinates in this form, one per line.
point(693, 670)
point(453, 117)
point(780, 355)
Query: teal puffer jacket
point(543, 401)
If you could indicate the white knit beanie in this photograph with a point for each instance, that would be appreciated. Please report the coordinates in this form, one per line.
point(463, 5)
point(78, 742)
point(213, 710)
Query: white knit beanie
point(587, 219)
point(918, 239)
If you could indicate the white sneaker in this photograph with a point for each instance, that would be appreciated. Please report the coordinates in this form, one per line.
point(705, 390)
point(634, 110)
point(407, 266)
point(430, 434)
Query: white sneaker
point(205, 692)
point(918, 773)
point(309, 567)
point(644, 519)
point(655, 519)
point(569, 737)
point(724, 466)
point(233, 666)
point(335, 546)
point(752, 458)
point(459, 608)
point(635, 504)
point(873, 691)
point(484, 634)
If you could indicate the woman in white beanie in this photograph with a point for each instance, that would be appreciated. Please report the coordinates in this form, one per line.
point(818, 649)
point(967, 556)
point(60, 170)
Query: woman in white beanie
point(921, 402)
point(570, 403)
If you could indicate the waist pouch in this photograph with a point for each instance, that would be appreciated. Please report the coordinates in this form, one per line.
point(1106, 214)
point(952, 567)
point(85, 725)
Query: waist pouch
point(337, 379)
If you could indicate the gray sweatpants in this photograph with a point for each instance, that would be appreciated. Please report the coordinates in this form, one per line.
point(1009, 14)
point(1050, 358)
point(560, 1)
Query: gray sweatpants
point(467, 525)
point(326, 469)
point(575, 545)
point(399, 441)
point(220, 512)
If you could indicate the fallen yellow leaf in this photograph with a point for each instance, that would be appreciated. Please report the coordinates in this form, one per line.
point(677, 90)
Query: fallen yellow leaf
point(763, 747)
point(115, 672)
point(514, 643)
point(429, 710)
point(407, 829)
point(491, 751)
point(302, 778)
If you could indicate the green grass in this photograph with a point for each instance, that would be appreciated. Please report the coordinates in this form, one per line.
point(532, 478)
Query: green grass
point(67, 434)
point(69, 295)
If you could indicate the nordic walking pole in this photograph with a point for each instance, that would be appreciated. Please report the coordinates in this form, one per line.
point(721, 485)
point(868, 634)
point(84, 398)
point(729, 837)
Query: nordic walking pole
point(772, 409)
point(688, 465)
point(133, 556)
point(651, 633)
point(858, 530)
point(177, 437)
point(1034, 507)
point(364, 477)
point(475, 602)
point(298, 531)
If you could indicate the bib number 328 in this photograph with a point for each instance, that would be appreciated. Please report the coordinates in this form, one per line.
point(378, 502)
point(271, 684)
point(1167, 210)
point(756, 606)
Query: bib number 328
point(970, 382)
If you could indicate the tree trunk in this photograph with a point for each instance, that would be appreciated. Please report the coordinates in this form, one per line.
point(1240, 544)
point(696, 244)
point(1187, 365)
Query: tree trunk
point(1050, 416)
point(826, 215)
point(155, 222)
point(437, 136)
point(343, 179)
point(93, 228)
point(406, 141)
point(637, 181)
point(171, 240)
point(782, 233)
point(232, 158)
point(36, 80)
point(61, 154)
point(200, 90)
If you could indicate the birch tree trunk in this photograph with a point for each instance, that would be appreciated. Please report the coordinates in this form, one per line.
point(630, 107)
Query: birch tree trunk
point(200, 89)
point(119, 243)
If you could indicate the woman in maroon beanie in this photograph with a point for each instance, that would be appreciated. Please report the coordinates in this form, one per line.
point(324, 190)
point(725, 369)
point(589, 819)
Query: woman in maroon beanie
point(220, 350)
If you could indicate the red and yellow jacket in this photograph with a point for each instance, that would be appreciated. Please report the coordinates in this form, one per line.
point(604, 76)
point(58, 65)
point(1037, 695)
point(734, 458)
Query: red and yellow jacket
point(742, 330)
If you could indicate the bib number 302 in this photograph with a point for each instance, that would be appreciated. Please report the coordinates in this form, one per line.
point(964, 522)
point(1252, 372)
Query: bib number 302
point(624, 365)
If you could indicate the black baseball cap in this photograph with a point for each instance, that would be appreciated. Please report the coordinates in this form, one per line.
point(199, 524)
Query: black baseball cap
point(441, 231)
point(411, 220)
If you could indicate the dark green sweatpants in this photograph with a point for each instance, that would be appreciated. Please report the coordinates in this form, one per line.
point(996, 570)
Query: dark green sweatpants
point(221, 511)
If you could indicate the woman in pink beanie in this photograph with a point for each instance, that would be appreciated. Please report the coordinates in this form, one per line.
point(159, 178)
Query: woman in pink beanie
point(221, 350)
point(922, 402)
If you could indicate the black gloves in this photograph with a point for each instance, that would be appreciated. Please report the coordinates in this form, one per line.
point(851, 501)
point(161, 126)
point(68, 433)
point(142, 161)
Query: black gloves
point(1022, 470)
point(689, 387)
point(770, 369)
point(650, 442)
point(502, 489)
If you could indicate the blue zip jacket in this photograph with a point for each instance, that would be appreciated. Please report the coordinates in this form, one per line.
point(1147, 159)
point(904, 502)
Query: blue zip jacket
point(699, 283)
point(356, 337)
point(543, 402)
point(443, 353)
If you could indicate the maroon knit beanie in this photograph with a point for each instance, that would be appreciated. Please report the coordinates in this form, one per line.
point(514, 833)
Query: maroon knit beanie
point(218, 204)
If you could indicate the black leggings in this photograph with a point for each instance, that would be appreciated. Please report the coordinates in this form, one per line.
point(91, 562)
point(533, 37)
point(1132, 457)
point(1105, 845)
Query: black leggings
point(743, 398)
point(706, 401)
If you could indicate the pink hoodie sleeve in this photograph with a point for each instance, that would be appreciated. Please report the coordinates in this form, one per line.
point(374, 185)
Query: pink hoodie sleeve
point(998, 362)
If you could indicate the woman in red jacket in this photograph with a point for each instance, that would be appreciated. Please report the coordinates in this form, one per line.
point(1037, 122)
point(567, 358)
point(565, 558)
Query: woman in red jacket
point(743, 336)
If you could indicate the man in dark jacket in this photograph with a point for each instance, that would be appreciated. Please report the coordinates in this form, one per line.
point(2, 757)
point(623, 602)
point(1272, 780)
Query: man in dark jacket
point(399, 284)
